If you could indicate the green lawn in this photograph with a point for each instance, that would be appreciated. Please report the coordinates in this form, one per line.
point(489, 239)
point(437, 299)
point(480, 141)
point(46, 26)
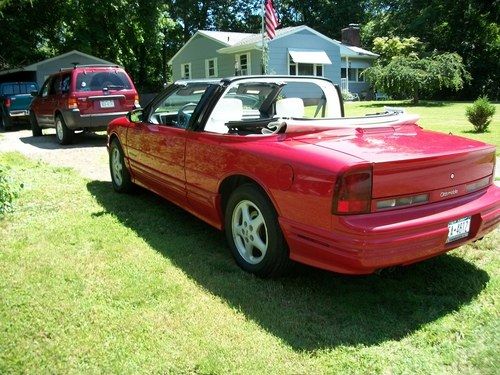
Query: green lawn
point(440, 116)
point(97, 282)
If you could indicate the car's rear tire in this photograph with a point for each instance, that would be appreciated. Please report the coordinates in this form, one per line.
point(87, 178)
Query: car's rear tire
point(5, 123)
point(120, 175)
point(35, 128)
point(253, 233)
point(64, 134)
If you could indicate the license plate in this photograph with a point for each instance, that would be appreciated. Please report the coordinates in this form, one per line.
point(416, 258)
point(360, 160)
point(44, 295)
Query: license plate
point(107, 103)
point(458, 229)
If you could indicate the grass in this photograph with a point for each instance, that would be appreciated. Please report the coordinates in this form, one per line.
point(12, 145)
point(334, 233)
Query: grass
point(114, 283)
point(439, 116)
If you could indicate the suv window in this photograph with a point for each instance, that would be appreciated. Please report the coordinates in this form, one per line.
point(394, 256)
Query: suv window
point(97, 81)
point(55, 86)
point(65, 83)
point(45, 87)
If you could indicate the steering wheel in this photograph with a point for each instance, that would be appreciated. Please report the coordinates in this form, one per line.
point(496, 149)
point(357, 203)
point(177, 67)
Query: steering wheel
point(182, 115)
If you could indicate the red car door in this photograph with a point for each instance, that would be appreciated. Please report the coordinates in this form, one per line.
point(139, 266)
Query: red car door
point(156, 146)
point(156, 155)
point(44, 103)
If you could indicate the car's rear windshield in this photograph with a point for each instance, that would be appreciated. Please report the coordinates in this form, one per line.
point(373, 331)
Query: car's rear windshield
point(19, 88)
point(98, 81)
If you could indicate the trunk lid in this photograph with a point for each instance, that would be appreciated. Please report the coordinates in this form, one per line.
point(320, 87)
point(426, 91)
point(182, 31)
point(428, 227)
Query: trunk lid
point(408, 160)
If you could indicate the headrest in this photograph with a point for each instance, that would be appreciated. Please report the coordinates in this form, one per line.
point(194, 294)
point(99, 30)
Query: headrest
point(228, 109)
point(290, 107)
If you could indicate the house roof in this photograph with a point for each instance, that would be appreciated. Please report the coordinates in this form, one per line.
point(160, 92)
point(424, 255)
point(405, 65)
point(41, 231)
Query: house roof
point(228, 38)
point(254, 41)
point(34, 66)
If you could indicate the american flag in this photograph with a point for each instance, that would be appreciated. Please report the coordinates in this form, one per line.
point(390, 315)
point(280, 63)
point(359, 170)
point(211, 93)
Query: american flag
point(271, 19)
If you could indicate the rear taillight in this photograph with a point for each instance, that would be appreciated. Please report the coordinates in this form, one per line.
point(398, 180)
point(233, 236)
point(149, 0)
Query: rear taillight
point(7, 102)
point(72, 103)
point(136, 101)
point(353, 192)
point(402, 201)
point(477, 185)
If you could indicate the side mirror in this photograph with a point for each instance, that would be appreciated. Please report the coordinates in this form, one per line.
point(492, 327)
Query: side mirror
point(34, 93)
point(135, 115)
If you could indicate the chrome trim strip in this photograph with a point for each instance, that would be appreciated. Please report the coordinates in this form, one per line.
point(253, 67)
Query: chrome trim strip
point(107, 97)
point(105, 114)
point(17, 113)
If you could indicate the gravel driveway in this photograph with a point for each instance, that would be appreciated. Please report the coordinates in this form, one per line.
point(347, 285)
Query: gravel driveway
point(88, 154)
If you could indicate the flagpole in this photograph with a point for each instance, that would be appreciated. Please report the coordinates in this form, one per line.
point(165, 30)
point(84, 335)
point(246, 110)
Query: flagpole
point(262, 31)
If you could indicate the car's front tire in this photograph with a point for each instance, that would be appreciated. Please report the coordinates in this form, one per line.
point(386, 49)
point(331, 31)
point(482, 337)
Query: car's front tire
point(120, 176)
point(35, 128)
point(64, 134)
point(253, 233)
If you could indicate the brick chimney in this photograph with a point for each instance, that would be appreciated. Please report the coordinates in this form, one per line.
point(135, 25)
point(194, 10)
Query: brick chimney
point(350, 35)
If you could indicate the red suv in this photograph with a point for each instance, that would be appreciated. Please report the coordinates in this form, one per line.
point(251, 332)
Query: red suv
point(80, 98)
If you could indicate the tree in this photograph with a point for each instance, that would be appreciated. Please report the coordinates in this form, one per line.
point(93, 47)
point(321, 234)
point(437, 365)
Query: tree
point(412, 77)
point(468, 27)
point(327, 16)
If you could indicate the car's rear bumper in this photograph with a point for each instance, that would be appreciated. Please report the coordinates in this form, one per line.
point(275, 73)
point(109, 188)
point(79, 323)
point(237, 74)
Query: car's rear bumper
point(76, 120)
point(19, 113)
point(362, 244)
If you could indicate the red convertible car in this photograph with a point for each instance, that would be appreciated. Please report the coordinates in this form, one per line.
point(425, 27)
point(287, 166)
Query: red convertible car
point(274, 163)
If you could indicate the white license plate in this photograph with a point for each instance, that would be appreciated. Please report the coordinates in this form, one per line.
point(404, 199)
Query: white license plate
point(107, 103)
point(458, 229)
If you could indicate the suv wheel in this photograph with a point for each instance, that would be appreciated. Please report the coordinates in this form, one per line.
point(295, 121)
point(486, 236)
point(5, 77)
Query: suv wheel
point(63, 133)
point(5, 123)
point(35, 128)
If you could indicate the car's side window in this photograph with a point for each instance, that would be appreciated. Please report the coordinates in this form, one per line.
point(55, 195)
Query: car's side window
point(46, 87)
point(65, 83)
point(55, 86)
point(177, 107)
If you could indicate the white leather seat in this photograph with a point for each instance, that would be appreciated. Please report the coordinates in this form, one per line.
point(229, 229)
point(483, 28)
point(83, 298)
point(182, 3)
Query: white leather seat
point(228, 109)
point(290, 107)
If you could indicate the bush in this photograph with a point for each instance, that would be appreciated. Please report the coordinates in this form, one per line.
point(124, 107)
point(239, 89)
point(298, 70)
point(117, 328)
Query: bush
point(480, 114)
point(349, 96)
point(8, 191)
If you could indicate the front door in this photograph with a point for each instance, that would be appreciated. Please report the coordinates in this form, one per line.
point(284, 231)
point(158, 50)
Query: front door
point(45, 102)
point(156, 145)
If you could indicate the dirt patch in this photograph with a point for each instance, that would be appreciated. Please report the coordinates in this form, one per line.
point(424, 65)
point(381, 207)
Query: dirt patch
point(88, 154)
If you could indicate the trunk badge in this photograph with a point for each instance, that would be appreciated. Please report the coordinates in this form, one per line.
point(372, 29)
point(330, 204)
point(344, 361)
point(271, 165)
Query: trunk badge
point(452, 176)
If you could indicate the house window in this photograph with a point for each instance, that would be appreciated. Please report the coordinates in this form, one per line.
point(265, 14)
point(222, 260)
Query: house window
point(354, 74)
point(243, 64)
point(301, 69)
point(361, 78)
point(211, 69)
point(186, 71)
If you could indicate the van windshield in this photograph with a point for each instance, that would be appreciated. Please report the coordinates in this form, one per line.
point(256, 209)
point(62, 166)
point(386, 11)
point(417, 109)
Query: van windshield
point(97, 81)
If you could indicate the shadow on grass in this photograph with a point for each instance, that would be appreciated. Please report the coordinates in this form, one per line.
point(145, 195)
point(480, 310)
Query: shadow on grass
point(472, 131)
point(311, 309)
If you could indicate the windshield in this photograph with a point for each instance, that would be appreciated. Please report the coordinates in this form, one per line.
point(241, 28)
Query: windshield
point(107, 80)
